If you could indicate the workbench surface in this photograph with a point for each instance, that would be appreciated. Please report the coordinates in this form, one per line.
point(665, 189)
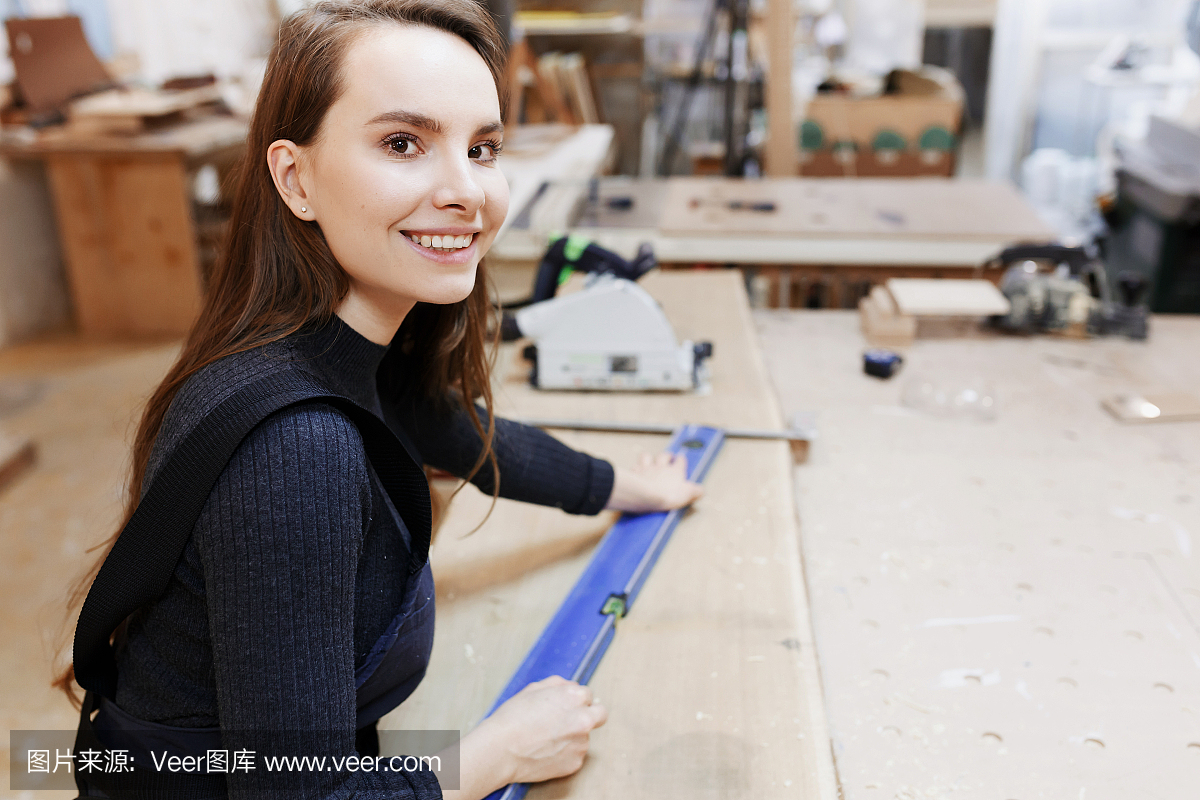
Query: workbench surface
point(957, 223)
point(711, 681)
point(1003, 609)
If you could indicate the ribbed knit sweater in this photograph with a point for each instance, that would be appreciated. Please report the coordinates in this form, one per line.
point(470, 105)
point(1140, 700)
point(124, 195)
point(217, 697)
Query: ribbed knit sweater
point(296, 565)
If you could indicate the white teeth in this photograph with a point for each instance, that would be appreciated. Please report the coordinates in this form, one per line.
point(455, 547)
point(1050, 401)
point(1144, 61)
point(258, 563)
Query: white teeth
point(445, 242)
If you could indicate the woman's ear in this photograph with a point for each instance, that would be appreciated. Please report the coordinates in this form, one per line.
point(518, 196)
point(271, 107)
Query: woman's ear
point(283, 160)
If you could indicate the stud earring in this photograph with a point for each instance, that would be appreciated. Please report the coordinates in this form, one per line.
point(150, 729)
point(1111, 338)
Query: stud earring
point(303, 209)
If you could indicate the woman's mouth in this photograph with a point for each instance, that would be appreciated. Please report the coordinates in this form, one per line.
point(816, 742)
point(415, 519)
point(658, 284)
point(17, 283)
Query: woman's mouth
point(445, 243)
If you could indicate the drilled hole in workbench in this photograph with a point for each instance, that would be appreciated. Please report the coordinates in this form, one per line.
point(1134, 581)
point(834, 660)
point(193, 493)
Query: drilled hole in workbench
point(1042, 629)
point(1094, 743)
point(993, 736)
point(1068, 682)
point(1168, 687)
point(1134, 635)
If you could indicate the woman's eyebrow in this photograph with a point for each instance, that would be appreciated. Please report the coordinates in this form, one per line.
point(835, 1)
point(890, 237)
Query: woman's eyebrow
point(425, 122)
point(416, 119)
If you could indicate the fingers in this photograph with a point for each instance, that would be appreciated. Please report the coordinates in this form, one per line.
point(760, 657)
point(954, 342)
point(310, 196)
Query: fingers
point(662, 459)
point(592, 713)
point(581, 694)
point(599, 714)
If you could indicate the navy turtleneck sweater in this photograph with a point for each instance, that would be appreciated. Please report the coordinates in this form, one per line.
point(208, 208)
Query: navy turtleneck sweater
point(296, 565)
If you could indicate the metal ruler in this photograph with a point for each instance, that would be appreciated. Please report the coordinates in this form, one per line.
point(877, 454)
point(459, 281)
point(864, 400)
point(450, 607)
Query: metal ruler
point(802, 428)
point(575, 640)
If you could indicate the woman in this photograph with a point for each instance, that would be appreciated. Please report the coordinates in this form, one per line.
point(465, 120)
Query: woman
point(369, 194)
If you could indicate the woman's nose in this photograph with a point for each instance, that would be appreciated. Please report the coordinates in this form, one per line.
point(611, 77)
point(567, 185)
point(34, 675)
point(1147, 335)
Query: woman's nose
point(457, 186)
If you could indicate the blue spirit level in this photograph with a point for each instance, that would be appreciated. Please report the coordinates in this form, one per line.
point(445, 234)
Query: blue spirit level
point(575, 640)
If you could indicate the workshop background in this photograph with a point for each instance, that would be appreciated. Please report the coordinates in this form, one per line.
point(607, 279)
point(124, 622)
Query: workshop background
point(933, 265)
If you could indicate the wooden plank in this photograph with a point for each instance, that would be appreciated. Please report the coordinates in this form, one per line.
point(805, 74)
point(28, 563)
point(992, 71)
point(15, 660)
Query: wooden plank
point(127, 232)
point(781, 142)
point(712, 681)
point(946, 297)
point(916, 208)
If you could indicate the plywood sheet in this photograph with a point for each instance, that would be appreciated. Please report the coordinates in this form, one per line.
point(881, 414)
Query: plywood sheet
point(52, 60)
point(127, 232)
point(1004, 609)
point(711, 683)
point(932, 208)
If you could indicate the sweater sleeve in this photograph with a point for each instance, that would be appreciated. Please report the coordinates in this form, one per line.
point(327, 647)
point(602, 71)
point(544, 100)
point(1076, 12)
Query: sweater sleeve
point(279, 539)
point(534, 466)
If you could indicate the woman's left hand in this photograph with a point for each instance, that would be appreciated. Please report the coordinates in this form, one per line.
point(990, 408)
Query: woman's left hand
point(657, 483)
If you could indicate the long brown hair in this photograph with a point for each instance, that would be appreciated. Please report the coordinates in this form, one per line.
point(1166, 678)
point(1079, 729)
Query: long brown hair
point(276, 273)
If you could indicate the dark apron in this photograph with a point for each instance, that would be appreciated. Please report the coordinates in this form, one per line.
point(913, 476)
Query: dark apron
point(141, 563)
point(391, 672)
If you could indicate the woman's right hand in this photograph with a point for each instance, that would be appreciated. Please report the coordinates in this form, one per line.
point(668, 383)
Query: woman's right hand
point(545, 728)
point(539, 733)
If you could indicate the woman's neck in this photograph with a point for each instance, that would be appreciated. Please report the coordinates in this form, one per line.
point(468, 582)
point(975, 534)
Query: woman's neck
point(374, 318)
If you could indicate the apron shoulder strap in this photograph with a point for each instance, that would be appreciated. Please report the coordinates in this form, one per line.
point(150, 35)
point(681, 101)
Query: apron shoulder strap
point(139, 567)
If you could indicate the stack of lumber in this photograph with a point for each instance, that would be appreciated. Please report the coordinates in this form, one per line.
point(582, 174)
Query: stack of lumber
point(133, 111)
point(553, 87)
point(564, 76)
point(904, 309)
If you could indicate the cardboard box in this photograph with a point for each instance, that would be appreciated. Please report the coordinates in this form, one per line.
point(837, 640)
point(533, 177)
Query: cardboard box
point(912, 131)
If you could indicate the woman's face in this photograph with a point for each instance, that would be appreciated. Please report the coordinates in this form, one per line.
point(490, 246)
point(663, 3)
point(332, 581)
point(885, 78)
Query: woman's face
point(403, 178)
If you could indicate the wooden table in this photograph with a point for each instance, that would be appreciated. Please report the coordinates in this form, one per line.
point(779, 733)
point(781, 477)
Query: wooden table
point(1004, 609)
point(125, 218)
point(711, 682)
point(839, 235)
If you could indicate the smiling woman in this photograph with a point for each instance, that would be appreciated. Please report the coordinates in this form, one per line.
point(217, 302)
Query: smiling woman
point(410, 197)
point(301, 600)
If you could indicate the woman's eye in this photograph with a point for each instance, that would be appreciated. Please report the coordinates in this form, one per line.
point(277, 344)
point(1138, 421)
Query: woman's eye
point(402, 146)
point(484, 152)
